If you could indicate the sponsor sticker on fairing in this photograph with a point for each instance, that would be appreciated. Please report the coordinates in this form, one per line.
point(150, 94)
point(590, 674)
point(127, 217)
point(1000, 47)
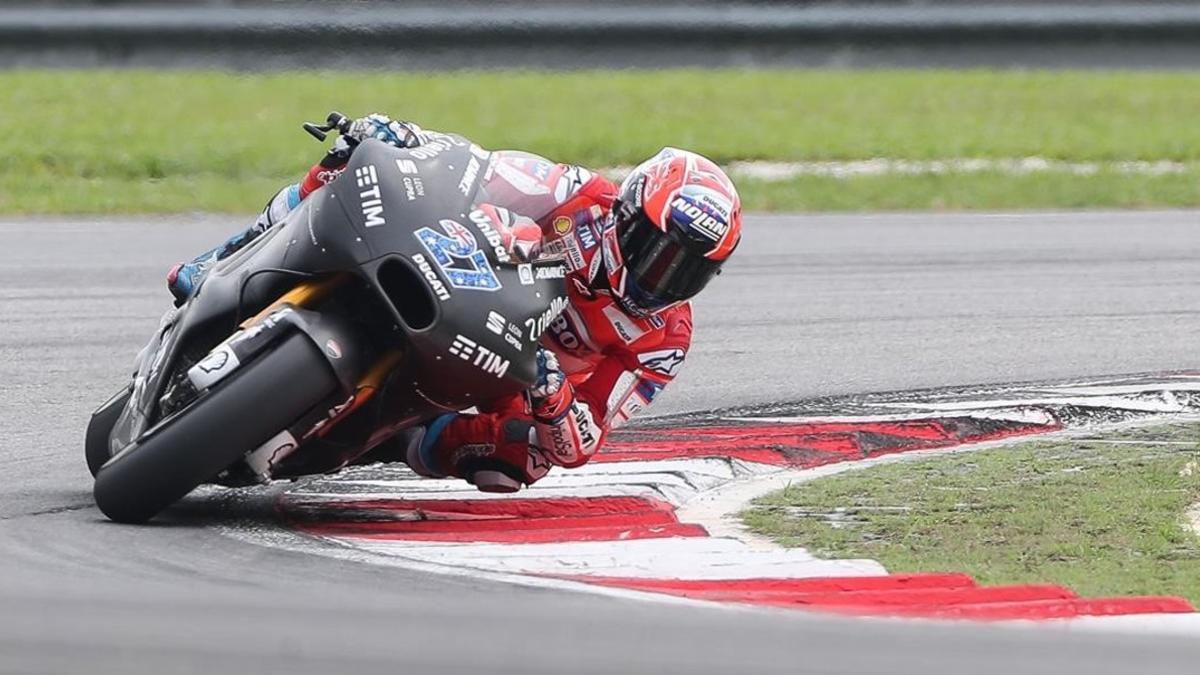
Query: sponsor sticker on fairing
point(414, 188)
point(514, 341)
point(369, 197)
point(456, 253)
point(273, 319)
point(213, 368)
point(494, 239)
point(496, 322)
point(434, 146)
point(431, 277)
point(264, 458)
point(538, 324)
point(551, 272)
point(501, 326)
point(479, 356)
point(469, 176)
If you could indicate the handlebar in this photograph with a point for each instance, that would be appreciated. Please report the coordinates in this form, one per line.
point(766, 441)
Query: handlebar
point(335, 120)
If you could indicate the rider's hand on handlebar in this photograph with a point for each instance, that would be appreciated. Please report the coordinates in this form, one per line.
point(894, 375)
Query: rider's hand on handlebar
point(383, 128)
point(375, 125)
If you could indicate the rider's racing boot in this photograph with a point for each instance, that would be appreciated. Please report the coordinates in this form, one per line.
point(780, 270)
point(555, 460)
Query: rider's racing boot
point(489, 453)
point(184, 277)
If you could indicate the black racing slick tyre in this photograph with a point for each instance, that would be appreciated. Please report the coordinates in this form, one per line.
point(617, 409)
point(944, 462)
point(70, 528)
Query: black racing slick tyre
point(95, 444)
point(258, 401)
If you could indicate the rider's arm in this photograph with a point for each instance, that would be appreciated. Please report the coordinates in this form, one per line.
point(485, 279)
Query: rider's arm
point(570, 427)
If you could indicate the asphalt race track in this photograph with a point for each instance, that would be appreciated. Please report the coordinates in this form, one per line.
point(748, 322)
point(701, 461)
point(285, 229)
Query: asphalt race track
point(811, 306)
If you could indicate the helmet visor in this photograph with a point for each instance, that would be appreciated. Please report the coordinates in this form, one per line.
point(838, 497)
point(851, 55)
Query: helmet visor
point(660, 268)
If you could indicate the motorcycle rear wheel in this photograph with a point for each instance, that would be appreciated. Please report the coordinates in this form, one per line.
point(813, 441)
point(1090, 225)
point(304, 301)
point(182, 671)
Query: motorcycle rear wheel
point(252, 405)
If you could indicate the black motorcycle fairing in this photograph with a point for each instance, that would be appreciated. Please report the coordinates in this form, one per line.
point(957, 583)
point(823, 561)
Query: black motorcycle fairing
point(330, 332)
point(474, 345)
point(213, 311)
point(407, 233)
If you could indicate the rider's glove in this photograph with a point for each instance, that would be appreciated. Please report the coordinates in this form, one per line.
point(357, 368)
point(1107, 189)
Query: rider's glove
point(550, 396)
point(375, 125)
point(383, 128)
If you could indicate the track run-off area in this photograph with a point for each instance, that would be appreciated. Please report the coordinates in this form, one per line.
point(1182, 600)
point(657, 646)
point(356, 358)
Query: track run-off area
point(811, 306)
point(657, 512)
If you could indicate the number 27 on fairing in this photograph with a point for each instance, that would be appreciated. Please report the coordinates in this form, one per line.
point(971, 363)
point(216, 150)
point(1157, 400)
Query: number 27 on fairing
point(458, 243)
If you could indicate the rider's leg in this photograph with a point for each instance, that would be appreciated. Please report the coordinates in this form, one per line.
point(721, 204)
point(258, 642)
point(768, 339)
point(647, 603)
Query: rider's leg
point(183, 278)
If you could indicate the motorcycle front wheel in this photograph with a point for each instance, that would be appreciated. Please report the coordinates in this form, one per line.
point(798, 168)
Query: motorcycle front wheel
point(258, 401)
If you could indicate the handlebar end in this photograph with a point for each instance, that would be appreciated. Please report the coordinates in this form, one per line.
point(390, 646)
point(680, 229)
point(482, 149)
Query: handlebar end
point(316, 131)
point(335, 120)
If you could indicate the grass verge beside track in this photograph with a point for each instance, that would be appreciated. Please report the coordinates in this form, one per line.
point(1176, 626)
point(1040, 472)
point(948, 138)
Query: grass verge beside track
point(1103, 515)
point(162, 141)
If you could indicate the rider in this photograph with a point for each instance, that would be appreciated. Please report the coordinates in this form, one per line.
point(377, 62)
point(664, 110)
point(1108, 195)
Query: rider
point(635, 255)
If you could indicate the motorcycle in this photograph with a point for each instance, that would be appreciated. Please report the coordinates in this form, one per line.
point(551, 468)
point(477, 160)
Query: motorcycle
point(385, 299)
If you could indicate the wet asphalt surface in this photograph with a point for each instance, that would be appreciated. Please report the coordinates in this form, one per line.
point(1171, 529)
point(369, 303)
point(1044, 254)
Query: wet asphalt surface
point(812, 306)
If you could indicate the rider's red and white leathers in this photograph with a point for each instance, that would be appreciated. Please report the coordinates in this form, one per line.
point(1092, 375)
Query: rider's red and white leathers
point(616, 364)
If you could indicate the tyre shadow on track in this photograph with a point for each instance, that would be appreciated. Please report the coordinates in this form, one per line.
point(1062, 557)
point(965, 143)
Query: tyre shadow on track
point(250, 507)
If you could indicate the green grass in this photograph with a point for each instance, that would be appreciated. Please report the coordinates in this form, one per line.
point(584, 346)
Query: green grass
point(112, 141)
point(1103, 518)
